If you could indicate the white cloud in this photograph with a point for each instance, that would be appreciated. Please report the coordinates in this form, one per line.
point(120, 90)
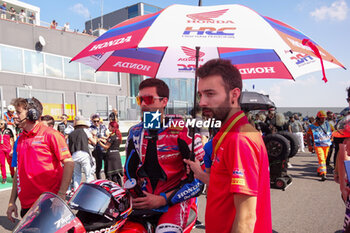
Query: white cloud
point(81, 10)
point(337, 11)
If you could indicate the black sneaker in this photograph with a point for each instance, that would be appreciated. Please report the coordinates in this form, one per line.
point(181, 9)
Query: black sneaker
point(4, 181)
point(323, 177)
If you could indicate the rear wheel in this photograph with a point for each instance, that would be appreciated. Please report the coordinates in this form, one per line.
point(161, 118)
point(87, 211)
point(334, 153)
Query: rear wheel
point(280, 183)
point(294, 142)
point(277, 146)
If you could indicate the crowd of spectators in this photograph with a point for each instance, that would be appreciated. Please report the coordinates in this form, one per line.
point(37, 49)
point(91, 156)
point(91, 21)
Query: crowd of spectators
point(21, 16)
point(99, 139)
point(272, 122)
point(12, 14)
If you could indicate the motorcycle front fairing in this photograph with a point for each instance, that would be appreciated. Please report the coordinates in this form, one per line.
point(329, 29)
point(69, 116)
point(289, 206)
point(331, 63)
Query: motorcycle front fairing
point(49, 214)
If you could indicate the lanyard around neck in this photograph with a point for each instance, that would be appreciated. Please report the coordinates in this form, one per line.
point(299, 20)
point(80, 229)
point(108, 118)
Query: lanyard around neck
point(226, 131)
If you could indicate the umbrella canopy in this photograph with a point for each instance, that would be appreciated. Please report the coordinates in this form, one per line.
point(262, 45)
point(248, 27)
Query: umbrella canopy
point(255, 101)
point(163, 44)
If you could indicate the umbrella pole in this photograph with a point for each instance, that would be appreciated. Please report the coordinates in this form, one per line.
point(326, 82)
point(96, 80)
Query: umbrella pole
point(192, 155)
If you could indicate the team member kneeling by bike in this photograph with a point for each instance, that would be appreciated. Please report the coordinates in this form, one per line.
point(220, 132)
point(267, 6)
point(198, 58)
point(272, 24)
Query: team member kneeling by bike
point(155, 160)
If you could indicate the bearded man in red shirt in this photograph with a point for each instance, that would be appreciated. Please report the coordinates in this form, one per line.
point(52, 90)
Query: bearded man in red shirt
point(44, 163)
point(238, 197)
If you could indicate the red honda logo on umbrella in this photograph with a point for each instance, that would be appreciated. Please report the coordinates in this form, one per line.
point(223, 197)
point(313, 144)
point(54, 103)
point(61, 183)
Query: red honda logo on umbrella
point(191, 53)
point(207, 15)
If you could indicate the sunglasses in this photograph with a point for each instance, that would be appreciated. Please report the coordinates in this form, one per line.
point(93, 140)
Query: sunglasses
point(149, 99)
point(96, 121)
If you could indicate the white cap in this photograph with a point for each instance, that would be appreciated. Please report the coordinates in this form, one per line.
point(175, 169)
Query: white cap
point(11, 108)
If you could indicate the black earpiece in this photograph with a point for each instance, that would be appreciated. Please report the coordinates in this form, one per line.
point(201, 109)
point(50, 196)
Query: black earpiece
point(32, 114)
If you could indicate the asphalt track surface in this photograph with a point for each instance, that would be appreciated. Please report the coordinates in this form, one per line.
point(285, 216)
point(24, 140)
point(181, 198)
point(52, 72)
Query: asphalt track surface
point(307, 206)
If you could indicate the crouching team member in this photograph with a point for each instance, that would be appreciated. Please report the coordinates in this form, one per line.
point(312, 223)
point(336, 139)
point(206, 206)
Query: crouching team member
point(155, 159)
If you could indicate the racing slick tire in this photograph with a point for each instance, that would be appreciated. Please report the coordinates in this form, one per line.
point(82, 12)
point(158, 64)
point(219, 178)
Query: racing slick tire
point(294, 142)
point(277, 146)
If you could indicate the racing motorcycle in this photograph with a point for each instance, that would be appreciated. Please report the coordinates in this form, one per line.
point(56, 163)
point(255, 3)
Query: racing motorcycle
point(101, 206)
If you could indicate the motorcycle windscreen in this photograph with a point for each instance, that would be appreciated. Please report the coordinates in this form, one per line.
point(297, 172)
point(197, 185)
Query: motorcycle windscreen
point(93, 199)
point(48, 214)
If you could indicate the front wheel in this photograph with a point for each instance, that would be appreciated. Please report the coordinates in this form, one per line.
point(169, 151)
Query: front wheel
point(280, 183)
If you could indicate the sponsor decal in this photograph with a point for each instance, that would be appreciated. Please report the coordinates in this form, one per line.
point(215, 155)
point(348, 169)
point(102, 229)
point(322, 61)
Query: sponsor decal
point(111, 43)
point(62, 221)
point(189, 192)
point(214, 30)
point(191, 54)
point(186, 68)
point(167, 148)
point(66, 153)
point(237, 172)
point(183, 65)
point(300, 45)
point(209, 32)
point(238, 181)
point(302, 59)
point(257, 70)
point(208, 17)
point(36, 142)
point(97, 56)
point(130, 65)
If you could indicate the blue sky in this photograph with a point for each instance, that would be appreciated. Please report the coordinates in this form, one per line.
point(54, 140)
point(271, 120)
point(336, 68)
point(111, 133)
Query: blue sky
point(325, 21)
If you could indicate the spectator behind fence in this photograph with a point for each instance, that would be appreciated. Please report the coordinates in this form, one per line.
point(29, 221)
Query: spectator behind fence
point(21, 16)
point(48, 120)
point(66, 27)
point(32, 18)
point(12, 13)
point(44, 163)
point(3, 10)
point(53, 24)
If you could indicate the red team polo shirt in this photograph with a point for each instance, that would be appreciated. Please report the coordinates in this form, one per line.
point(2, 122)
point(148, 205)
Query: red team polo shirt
point(40, 153)
point(241, 166)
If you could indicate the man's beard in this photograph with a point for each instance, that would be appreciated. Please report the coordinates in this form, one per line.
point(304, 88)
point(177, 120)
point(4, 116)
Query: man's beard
point(220, 112)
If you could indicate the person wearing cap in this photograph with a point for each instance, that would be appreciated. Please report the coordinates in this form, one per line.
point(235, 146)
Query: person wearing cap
point(9, 115)
point(79, 140)
point(342, 135)
point(320, 133)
